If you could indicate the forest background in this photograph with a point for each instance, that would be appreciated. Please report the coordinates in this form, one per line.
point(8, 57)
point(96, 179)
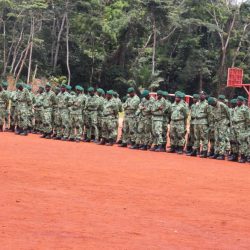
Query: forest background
point(169, 44)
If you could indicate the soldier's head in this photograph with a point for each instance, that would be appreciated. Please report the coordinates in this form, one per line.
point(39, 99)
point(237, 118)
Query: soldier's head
point(40, 89)
point(212, 101)
point(159, 94)
point(203, 96)
point(99, 92)
point(178, 96)
point(68, 88)
point(131, 92)
point(221, 98)
point(91, 91)
point(109, 94)
point(196, 98)
point(145, 94)
point(165, 94)
point(240, 101)
point(233, 103)
point(48, 87)
point(79, 89)
point(63, 88)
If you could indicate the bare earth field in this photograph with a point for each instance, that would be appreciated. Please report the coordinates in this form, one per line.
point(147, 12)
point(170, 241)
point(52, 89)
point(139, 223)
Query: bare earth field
point(63, 195)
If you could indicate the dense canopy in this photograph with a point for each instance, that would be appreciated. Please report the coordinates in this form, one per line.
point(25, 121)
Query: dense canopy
point(172, 44)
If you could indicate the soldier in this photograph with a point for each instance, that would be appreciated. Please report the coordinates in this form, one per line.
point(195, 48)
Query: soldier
point(120, 109)
point(190, 142)
point(23, 106)
point(13, 110)
point(129, 124)
point(63, 112)
point(158, 109)
point(102, 100)
point(92, 107)
point(76, 115)
point(55, 114)
point(166, 119)
point(110, 111)
point(38, 111)
point(30, 107)
point(240, 126)
point(7, 110)
point(232, 139)
point(3, 101)
point(201, 127)
point(144, 129)
point(48, 103)
point(222, 122)
point(178, 125)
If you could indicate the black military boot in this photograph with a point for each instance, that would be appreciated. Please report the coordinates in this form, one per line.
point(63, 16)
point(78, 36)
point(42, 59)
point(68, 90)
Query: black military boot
point(164, 147)
point(214, 156)
point(221, 158)
point(159, 149)
point(233, 157)
point(180, 150)
point(203, 154)
point(135, 146)
point(144, 148)
point(119, 142)
point(242, 159)
point(193, 153)
point(172, 149)
point(12, 128)
point(102, 142)
point(24, 132)
point(48, 136)
point(123, 145)
point(189, 150)
point(153, 148)
point(248, 159)
point(211, 153)
point(110, 143)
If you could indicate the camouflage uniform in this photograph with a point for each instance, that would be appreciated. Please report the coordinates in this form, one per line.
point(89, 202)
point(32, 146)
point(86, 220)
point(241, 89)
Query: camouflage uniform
point(38, 112)
point(166, 121)
point(102, 101)
point(109, 122)
point(211, 132)
point(63, 115)
point(3, 101)
point(240, 128)
point(129, 124)
point(30, 110)
point(193, 111)
point(221, 130)
point(49, 100)
point(201, 127)
point(179, 114)
point(120, 109)
point(23, 105)
point(92, 106)
point(158, 109)
point(77, 105)
point(13, 110)
point(144, 129)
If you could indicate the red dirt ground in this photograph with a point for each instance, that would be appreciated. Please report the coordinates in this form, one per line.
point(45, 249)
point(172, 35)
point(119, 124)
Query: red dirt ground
point(63, 195)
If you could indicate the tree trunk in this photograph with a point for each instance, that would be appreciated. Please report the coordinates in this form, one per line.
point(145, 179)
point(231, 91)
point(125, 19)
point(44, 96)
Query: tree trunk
point(4, 46)
point(58, 41)
point(67, 46)
point(32, 31)
point(154, 46)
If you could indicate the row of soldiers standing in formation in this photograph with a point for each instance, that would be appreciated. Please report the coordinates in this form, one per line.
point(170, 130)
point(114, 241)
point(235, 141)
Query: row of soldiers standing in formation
point(215, 130)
